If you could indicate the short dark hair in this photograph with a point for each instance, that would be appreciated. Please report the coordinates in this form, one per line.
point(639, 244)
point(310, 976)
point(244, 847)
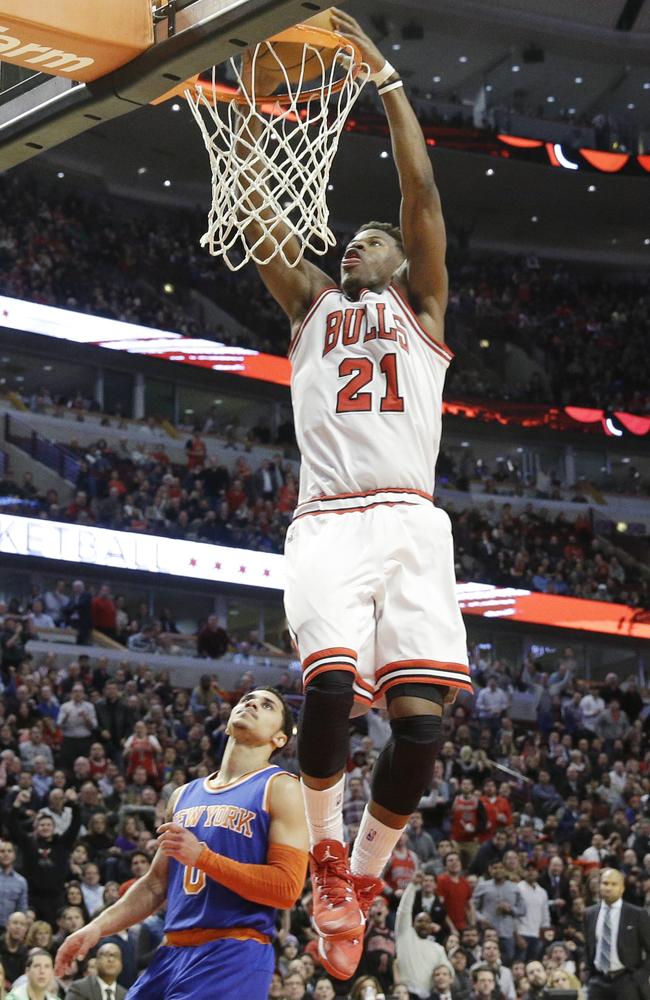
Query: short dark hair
point(385, 227)
point(476, 971)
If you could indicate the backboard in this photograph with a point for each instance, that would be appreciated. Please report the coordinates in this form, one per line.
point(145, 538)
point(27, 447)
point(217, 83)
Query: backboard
point(38, 112)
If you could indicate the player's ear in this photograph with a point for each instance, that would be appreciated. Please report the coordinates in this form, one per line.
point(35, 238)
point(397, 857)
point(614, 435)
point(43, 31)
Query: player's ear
point(280, 740)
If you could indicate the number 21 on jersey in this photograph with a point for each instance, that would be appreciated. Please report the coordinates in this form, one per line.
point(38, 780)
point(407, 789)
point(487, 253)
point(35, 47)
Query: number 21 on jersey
point(351, 398)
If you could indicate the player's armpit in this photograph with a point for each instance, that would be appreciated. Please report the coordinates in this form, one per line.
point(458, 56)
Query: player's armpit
point(278, 883)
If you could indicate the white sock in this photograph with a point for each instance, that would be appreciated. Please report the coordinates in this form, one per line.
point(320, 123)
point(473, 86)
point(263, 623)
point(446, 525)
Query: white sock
point(324, 812)
point(373, 846)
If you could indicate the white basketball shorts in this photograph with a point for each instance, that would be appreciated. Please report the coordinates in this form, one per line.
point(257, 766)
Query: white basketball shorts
point(374, 592)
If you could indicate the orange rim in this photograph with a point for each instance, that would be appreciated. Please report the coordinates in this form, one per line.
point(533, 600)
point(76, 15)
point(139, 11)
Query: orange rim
point(306, 34)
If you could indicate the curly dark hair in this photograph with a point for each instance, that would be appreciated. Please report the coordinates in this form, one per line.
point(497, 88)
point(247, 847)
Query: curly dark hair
point(385, 227)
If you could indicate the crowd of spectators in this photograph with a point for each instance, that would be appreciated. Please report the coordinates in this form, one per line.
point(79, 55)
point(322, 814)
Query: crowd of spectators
point(585, 330)
point(93, 615)
point(539, 783)
point(138, 488)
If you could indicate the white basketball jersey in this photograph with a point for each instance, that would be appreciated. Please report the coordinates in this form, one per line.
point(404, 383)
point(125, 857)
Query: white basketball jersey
point(366, 386)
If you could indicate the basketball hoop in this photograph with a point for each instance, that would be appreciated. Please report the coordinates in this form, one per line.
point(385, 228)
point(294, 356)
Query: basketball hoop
point(271, 154)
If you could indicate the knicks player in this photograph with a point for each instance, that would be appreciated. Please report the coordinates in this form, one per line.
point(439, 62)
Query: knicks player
point(370, 592)
point(233, 850)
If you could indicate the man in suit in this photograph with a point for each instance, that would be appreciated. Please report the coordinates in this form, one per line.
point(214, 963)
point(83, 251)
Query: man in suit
point(556, 884)
point(618, 944)
point(103, 985)
point(444, 985)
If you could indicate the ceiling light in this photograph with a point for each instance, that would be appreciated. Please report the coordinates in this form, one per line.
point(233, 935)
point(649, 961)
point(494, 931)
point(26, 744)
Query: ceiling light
point(621, 526)
point(464, 444)
point(489, 88)
point(330, 187)
point(167, 183)
point(578, 79)
point(168, 288)
point(489, 172)
point(534, 218)
point(591, 188)
point(60, 175)
point(176, 107)
point(515, 68)
point(396, 46)
point(646, 85)
point(484, 344)
point(631, 106)
point(47, 368)
point(572, 111)
point(462, 59)
point(550, 99)
point(383, 155)
point(646, 241)
point(142, 170)
point(437, 79)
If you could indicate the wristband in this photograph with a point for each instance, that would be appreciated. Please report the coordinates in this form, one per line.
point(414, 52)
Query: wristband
point(382, 74)
point(390, 86)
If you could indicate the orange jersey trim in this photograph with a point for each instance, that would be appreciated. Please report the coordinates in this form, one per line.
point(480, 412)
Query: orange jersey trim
point(424, 672)
point(321, 653)
point(195, 938)
point(231, 784)
point(433, 341)
point(321, 295)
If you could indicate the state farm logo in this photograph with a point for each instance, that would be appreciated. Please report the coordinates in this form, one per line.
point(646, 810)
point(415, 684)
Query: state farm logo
point(41, 55)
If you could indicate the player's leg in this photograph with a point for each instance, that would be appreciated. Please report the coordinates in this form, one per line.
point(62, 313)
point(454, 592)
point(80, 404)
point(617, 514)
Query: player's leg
point(402, 773)
point(331, 613)
point(422, 658)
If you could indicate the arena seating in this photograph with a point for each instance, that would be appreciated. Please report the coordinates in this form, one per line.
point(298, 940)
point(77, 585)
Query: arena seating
point(577, 329)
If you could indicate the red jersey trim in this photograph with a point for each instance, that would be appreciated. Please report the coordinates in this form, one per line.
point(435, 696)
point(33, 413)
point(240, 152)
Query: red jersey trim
point(354, 510)
point(371, 493)
point(308, 316)
point(443, 349)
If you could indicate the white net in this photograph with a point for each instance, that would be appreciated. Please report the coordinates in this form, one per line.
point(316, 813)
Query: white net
point(271, 162)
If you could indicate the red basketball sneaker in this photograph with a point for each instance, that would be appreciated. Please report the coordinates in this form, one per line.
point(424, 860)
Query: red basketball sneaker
point(367, 889)
point(341, 956)
point(337, 912)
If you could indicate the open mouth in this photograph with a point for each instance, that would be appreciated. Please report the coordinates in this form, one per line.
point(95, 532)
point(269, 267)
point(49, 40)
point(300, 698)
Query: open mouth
point(350, 261)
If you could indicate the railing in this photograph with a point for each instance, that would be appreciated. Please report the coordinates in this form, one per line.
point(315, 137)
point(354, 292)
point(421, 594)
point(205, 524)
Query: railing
point(54, 456)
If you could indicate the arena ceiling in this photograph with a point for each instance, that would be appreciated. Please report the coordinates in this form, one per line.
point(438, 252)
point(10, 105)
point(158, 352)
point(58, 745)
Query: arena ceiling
point(587, 56)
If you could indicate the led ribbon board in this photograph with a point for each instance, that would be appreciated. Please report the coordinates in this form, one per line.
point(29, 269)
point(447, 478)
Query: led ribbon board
point(128, 550)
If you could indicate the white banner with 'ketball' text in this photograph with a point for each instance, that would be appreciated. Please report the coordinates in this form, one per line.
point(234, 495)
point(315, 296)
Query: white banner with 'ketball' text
point(30, 536)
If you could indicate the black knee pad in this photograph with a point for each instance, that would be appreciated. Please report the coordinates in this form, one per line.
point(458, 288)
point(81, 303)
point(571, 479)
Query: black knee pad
point(405, 765)
point(323, 730)
point(416, 689)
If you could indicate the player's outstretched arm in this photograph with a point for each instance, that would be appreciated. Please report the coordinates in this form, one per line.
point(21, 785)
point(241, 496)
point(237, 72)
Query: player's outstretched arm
point(421, 220)
point(139, 902)
point(293, 288)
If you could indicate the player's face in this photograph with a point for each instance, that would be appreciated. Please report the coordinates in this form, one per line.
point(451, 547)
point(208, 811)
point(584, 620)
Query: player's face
point(369, 261)
point(257, 718)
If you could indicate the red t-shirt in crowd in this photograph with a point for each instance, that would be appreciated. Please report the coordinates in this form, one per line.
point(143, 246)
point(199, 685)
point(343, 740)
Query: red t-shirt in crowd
point(455, 896)
point(401, 869)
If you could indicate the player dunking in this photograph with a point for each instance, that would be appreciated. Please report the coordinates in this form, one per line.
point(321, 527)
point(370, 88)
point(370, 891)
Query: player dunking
point(234, 849)
point(370, 592)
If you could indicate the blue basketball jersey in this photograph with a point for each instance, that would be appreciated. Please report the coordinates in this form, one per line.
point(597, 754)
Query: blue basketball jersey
point(232, 820)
